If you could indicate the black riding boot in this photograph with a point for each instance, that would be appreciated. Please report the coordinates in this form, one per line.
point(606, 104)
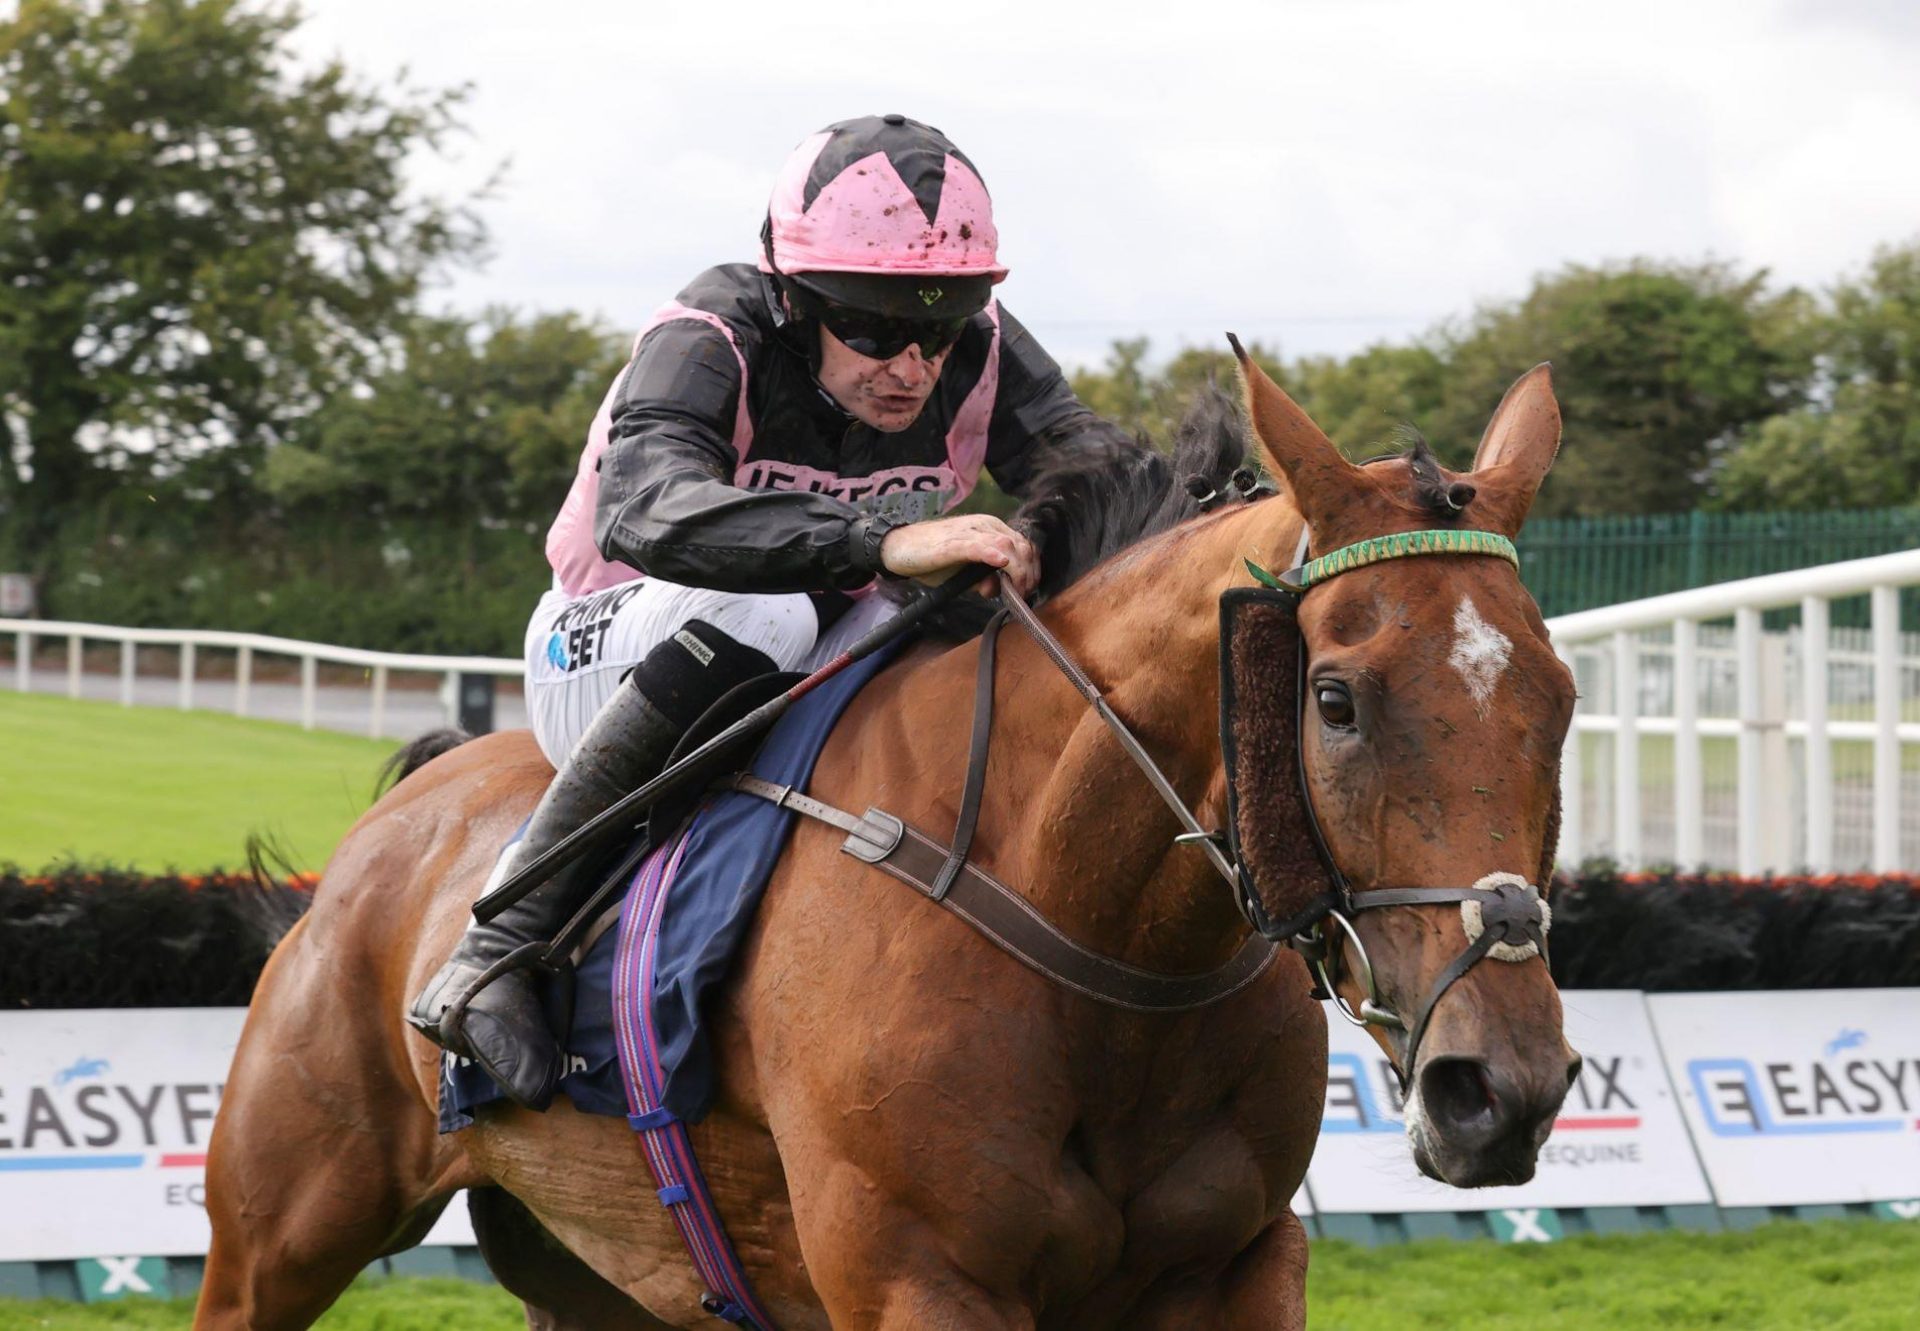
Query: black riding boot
point(503, 1027)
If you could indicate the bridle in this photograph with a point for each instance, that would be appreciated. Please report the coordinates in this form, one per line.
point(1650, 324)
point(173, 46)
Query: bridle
point(1503, 914)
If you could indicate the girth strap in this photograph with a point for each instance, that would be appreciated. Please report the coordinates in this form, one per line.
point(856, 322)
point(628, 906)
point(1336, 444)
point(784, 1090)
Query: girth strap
point(1009, 921)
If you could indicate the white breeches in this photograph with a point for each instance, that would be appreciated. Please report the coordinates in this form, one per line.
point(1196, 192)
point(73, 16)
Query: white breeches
point(578, 649)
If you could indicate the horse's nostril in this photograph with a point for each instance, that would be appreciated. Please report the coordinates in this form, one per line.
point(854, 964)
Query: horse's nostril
point(1458, 1092)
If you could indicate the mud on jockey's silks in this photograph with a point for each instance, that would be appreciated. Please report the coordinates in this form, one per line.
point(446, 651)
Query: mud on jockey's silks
point(1288, 892)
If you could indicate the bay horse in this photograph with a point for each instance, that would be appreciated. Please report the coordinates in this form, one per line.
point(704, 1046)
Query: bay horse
point(914, 1131)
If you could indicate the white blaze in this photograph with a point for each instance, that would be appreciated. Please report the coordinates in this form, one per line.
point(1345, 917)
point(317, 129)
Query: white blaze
point(1480, 652)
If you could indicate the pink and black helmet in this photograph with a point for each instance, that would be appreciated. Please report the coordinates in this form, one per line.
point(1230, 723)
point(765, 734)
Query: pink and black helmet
point(884, 214)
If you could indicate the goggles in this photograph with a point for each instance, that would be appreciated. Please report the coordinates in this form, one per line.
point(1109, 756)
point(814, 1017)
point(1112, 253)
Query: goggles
point(882, 337)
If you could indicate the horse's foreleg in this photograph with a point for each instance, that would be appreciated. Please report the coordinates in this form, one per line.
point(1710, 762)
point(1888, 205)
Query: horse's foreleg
point(926, 1300)
point(300, 1207)
point(944, 1305)
point(322, 1159)
point(1264, 1288)
point(877, 1266)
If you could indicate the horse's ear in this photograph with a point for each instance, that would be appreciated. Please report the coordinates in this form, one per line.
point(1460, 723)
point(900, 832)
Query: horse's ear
point(1289, 443)
point(1519, 446)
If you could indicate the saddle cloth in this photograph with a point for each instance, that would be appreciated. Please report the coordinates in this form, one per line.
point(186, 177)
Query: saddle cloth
point(688, 911)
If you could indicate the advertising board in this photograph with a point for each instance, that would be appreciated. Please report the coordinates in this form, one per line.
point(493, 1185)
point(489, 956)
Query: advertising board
point(104, 1120)
point(1799, 1098)
point(1619, 1140)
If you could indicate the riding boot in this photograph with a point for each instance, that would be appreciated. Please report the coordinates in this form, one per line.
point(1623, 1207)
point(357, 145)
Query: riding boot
point(503, 1026)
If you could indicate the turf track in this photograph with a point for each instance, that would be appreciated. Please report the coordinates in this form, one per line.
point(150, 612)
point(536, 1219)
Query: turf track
point(150, 789)
point(1836, 1276)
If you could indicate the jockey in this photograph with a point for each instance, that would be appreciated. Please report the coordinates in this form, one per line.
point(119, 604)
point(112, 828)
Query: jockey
point(783, 435)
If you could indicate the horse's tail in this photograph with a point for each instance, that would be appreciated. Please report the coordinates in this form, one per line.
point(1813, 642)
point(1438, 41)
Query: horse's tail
point(416, 754)
point(280, 894)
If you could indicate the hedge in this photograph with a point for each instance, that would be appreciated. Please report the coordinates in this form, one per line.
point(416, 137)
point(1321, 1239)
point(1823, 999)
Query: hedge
point(110, 939)
point(1671, 932)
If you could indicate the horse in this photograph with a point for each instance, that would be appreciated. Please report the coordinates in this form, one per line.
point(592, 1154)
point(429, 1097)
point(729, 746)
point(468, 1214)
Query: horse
point(914, 1130)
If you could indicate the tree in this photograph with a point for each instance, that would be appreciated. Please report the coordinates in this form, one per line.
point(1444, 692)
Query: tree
point(1153, 402)
point(1856, 444)
point(198, 241)
point(407, 513)
point(477, 423)
point(1121, 390)
point(1361, 401)
point(1658, 368)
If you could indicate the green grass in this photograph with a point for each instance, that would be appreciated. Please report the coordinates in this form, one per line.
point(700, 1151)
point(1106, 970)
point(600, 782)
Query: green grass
point(153, 789)
point(1835, 1275)
point(371, 1305)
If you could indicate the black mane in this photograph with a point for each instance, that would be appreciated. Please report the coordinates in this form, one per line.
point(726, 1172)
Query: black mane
point(1106, 492)
point(1111, 493)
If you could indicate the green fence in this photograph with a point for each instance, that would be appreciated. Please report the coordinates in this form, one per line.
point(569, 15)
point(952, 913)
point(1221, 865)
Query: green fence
point(1577, 563)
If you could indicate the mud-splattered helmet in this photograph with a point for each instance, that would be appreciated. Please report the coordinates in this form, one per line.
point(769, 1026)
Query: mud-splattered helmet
point(882, 215)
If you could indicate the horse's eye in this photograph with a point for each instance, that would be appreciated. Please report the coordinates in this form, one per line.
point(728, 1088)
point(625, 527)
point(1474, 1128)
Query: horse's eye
point(1336, 704)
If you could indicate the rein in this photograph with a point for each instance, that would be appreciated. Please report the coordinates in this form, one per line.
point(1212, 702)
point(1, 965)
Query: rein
point(946, 877)
point(1503, 915)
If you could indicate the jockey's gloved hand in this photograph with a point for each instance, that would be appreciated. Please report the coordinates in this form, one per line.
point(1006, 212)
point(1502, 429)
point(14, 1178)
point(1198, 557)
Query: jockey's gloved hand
point(926, 550)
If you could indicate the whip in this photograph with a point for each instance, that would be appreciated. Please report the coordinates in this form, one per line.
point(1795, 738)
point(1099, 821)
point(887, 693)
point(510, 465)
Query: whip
point(618, 818)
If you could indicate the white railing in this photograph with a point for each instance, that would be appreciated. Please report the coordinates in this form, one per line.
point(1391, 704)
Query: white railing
point(1778, 797)
point(245, 647)
point(1753, 720)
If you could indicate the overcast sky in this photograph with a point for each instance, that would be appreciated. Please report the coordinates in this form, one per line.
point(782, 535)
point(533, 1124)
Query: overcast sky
point(1319, 175)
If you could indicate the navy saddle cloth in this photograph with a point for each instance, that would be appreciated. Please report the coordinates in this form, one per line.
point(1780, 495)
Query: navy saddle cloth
point(731, 848)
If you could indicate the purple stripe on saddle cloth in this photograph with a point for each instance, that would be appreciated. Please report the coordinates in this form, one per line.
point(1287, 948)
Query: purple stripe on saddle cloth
point(663, 1137)
point(673, 957)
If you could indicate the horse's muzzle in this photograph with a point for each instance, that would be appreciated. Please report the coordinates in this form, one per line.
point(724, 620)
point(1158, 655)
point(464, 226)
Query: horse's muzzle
point(1476, 1126)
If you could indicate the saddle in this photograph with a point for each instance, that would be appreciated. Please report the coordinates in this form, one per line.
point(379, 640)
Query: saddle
point(727, 845)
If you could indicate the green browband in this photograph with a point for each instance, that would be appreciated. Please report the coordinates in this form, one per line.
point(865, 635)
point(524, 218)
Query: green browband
point(1434, 541)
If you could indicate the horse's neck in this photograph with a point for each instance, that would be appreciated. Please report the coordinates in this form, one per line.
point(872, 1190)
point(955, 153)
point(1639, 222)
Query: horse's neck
point(1094, 843)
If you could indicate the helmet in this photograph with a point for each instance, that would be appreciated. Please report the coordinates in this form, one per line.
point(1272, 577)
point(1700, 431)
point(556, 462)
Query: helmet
point(866, 211)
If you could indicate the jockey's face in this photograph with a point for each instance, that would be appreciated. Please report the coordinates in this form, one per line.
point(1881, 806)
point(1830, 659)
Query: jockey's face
point(889, 395)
